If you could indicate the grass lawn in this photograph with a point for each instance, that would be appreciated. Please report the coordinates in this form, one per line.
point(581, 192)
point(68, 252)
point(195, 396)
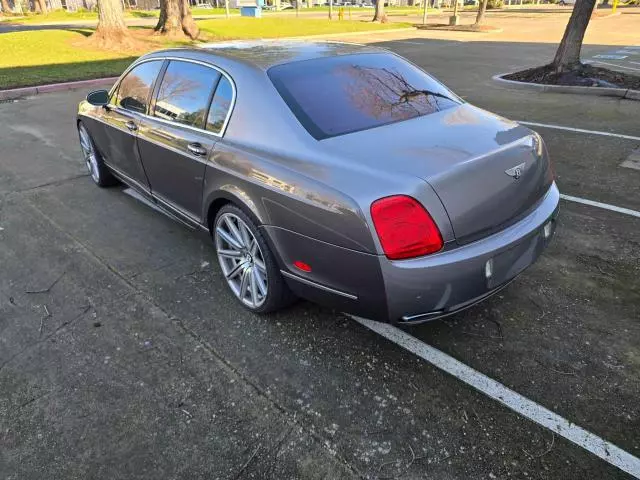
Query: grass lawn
point(49, 56)
point(211, 11)
point(39, 57)
point(277, 27)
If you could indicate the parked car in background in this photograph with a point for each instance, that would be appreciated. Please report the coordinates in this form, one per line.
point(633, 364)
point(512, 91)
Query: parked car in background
point(339, 173)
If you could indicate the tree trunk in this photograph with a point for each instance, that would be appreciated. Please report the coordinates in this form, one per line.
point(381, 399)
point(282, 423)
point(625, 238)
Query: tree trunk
point(5, 7)
point(169, 22)
point(380, 15)
point(568, 53)
point(189, 26)
point(41, 6)
point(226, 8)
point(111, 28)
point(481, 9)
point(175, 19)
point(162, 18)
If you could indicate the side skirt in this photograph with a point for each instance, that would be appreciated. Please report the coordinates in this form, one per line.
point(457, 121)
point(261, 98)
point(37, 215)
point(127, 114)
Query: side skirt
point(144, 195)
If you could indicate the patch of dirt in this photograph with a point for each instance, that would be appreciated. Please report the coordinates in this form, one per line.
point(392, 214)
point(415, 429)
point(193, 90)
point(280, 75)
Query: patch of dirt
point(583, 76)
point(460, 28)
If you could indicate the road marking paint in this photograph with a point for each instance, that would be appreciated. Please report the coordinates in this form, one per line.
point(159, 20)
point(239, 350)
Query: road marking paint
point(606, 206)
point(409, 41)
point(610, 57)
point(579, 130)
point(513, 400)
point(616, 65)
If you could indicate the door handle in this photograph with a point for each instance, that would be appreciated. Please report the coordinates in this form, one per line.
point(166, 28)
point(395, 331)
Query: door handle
point(197, 149)
point(131, 125)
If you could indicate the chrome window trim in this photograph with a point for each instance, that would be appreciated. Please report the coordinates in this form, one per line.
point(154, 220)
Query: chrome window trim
point(174, 124)
point(124, 74)
point(318, 285)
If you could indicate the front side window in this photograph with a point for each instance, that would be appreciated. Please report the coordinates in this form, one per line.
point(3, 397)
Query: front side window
point(338, 95)
point(135, 88)
point(184, 93)
point(220, 105)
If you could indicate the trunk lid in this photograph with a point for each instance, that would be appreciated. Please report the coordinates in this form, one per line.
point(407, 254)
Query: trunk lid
point(487, 171)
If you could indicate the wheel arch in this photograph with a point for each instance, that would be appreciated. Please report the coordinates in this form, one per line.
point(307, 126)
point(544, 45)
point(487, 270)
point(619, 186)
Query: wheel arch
point(230, 194)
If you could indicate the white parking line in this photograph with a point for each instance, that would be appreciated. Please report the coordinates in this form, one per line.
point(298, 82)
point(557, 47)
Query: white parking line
point(504, 395)
point(616, 65)
point(579, 130)
point(606, 206)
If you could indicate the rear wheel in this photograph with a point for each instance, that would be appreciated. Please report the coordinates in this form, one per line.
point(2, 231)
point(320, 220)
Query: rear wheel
point(98, 171)
point(247, 264)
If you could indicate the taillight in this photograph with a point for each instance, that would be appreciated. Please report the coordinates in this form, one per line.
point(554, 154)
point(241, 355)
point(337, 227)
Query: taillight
point(405, 228)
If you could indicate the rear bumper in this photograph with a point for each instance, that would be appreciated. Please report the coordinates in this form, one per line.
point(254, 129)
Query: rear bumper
point(438, 285)
point(416, 290)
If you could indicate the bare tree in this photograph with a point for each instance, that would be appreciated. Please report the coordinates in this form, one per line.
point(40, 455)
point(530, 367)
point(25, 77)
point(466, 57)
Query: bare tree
point(482, 7)
point(568, 53)
point(111, 28)
point(380, 15)
point(175, 19)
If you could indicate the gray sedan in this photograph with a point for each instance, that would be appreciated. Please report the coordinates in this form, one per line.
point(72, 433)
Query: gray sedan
point(339, 173)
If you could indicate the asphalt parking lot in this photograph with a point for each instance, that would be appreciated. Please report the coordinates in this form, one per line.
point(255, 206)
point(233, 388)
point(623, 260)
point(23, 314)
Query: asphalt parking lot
point(123, 356)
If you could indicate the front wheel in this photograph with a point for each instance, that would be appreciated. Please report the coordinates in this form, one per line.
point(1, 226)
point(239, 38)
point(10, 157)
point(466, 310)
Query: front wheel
point(98, 171)
point(247, 264)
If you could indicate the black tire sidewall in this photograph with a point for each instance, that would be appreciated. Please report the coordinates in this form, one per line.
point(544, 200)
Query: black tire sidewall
point(105, 178)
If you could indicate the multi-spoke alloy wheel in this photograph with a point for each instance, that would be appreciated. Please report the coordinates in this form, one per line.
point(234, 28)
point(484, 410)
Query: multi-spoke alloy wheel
point(89, 154)
point(241, 260)
point(96, 167)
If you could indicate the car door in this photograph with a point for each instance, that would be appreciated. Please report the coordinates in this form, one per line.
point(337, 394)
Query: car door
point(173, 143)
point(128, 104)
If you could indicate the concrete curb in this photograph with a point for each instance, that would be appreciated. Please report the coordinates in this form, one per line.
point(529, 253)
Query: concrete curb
point(52, 87)
point(435, 28)
point(608, 15)
point(622, 93)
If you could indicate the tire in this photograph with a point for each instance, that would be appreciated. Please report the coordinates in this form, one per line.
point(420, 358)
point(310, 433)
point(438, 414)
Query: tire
point(98, 171)
point(247, 263)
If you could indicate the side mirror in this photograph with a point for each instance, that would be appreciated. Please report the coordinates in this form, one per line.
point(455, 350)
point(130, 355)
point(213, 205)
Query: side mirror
point(98, 98)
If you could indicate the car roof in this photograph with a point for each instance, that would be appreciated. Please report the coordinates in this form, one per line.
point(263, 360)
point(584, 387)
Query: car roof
point(264, 54)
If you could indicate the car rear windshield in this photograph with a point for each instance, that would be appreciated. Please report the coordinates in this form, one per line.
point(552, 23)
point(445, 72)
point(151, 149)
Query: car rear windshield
point(337, 95)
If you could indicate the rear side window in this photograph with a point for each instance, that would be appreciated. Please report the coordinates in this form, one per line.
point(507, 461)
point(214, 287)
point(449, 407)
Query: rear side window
point(135, 87)
point(338, 95)
point(220, 105)
point(184, 93)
